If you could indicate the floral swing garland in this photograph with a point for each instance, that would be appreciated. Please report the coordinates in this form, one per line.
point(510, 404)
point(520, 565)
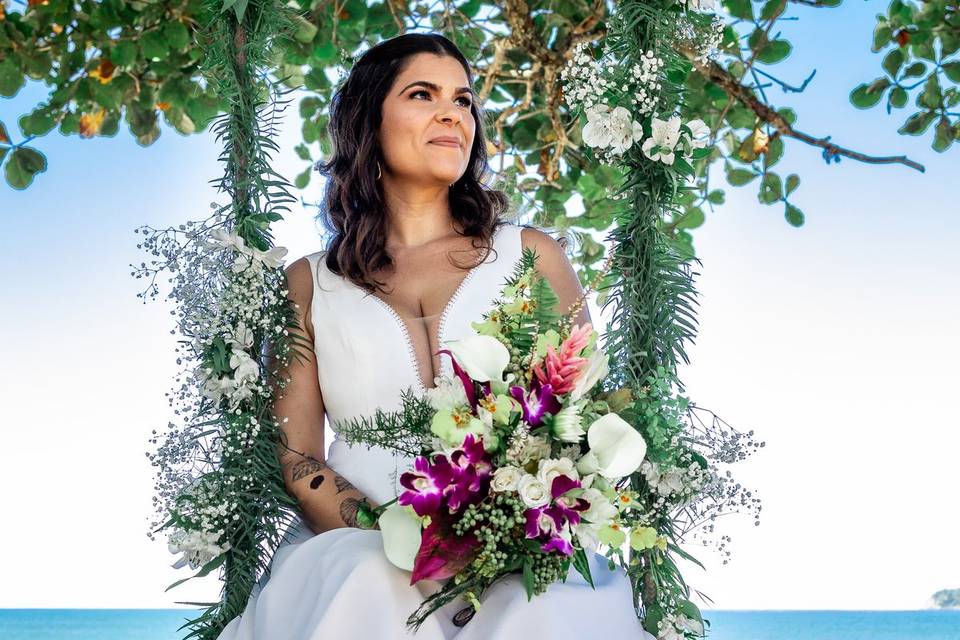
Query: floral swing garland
point(220, 493)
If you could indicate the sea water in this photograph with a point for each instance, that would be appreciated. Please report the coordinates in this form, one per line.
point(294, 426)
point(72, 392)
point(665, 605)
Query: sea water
point(162, 624)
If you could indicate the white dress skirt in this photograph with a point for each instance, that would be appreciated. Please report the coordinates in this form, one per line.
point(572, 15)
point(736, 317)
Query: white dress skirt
point(339, 585)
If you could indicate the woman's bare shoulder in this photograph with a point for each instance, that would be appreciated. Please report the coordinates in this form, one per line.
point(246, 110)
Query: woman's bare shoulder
point(300, 288)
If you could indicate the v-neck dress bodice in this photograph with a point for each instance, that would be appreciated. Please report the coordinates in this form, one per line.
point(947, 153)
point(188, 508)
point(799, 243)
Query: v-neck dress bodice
point(366, 356)
point(339, 583)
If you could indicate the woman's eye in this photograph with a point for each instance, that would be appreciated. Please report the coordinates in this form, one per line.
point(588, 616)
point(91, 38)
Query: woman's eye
point(468, 101)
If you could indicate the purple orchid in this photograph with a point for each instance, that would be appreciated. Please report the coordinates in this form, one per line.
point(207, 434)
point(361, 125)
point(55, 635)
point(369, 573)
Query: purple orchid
point(472, 454)
point(553, 521)
point(541, 521)
point(568, 507)
point(558, 543)
point(471, 470)
point(548, 521)
point(536, 403)
point(426, 485)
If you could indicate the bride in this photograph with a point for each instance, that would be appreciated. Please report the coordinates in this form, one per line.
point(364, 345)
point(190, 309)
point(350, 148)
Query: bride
point(404, 195)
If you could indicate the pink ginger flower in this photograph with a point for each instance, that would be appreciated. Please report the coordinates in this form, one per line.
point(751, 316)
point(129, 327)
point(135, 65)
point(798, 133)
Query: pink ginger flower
point(561, 370)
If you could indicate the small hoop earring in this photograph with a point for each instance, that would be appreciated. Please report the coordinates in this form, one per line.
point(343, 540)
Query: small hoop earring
point(379, 173)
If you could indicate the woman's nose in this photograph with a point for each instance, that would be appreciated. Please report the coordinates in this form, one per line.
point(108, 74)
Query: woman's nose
point(448, 115)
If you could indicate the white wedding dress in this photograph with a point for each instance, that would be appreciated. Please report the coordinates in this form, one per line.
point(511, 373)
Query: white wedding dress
point(339, 585)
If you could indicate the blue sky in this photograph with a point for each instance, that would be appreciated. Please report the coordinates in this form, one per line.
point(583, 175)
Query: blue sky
point(835, 342)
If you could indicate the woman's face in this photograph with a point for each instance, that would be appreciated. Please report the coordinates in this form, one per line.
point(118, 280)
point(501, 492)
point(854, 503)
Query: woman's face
point(415, 113)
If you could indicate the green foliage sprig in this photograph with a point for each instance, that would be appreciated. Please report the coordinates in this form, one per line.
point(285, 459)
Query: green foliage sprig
point(239, 518)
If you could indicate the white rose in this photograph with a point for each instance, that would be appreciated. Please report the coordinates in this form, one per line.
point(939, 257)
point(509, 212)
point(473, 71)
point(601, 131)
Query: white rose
point(532, 491)
point(506, 478)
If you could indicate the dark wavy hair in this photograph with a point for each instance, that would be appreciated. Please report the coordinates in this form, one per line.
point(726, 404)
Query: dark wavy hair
point(353, 209)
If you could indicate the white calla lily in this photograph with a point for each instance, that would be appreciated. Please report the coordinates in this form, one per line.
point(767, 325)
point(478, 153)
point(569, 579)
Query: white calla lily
point(618, 447)
point(595, 370)
point(401, 535)
point(483, 357)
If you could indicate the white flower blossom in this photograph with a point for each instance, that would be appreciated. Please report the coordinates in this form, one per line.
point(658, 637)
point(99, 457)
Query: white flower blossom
point(614, 128)
point(198, 547)
point(447, 395)
point(527, 449)
point(533, 492)
point(666, 134)
point(506, 478)
point(698, 129)
point(244, 367)
point(550, 468)
point(568, 425)
point(595, 370)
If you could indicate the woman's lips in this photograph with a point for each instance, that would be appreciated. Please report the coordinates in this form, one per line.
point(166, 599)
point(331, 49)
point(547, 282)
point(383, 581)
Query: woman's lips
point(445, 143)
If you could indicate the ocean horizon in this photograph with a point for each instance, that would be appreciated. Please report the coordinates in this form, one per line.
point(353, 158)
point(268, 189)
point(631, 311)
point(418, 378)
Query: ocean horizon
point(725, 624)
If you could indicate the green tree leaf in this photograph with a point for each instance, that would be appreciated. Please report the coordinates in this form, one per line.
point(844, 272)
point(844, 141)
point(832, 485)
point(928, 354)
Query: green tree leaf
point(303, 178)
point(794, 216)
point(952, 70)
point(793, 181)
point(898, 97)
point(24, 163)
point(774, 51)
point(177, 35)
point(740, 177)
point(692, 219)
point(917, 123)
point(771, 188)
point(739, 8)
point(915, 70)
point(154, 45)
point(124, 53)
point(11, 78)
point(881, 35)
point(943, 136)
point(867, 95)
point(37, 123)
point(932, 97)
point(892, 62)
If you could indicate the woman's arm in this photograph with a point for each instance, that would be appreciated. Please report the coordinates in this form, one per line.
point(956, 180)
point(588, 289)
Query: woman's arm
point(327, 499)
point(554, 265)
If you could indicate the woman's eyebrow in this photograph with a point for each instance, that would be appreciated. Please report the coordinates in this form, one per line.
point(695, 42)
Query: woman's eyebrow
point(436, 87)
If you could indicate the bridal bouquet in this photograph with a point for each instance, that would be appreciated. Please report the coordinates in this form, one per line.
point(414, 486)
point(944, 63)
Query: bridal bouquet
point(521, 462)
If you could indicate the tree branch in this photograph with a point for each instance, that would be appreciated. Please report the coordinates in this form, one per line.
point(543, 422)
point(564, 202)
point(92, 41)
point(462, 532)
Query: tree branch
point(732, 87)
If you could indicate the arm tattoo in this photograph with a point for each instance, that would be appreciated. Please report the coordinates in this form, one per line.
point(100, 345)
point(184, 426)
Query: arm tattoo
point(348, 511)
point(342, 483)
point(307, 467)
